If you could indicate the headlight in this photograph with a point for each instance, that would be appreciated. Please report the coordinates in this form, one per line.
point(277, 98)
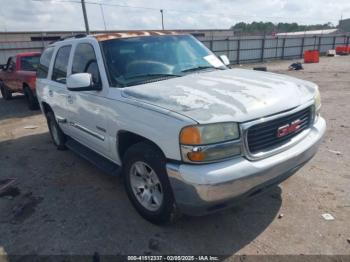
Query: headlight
point(206, 143)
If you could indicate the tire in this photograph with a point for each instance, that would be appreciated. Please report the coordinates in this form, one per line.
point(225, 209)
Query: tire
point(6, 94)
point(57, 136)
point(161, 207)
point(31, 99)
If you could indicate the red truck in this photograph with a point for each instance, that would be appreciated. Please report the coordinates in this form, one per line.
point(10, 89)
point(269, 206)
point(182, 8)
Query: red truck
point(19, 75)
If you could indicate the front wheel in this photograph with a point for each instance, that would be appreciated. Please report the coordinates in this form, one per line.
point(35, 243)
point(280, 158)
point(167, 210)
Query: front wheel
point(147, 183)
point(58, 137)
point(6, 94)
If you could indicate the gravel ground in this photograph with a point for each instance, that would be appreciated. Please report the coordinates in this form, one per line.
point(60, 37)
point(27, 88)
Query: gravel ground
point(61, 204)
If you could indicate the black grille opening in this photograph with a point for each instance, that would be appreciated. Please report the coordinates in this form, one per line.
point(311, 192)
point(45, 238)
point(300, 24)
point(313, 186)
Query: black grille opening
point(264, 137)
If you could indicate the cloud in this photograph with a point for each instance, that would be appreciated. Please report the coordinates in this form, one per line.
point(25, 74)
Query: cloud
point(29, 15)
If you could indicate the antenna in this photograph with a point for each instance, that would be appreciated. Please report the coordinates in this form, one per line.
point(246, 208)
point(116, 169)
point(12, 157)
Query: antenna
point(161, 11)
point(85, 17)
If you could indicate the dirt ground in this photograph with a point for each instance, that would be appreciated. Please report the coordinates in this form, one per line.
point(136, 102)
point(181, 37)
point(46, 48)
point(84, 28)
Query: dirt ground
point(61, 204)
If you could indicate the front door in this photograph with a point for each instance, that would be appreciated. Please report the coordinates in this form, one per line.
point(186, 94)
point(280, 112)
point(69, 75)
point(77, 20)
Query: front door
point(86, 111)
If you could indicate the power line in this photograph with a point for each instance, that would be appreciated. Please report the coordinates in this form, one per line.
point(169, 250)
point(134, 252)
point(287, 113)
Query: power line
point(181, 10)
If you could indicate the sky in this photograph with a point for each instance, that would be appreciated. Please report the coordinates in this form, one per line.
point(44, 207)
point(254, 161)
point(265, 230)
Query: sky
point(49, 15)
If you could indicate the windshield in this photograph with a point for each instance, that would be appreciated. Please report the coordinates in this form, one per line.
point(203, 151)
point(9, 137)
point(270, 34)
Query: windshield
point(136, 60)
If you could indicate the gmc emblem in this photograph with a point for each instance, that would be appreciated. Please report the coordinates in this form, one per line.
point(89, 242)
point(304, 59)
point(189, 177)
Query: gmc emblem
point(289, 128)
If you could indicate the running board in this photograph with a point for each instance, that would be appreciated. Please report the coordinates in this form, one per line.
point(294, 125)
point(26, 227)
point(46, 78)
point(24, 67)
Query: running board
point(99, 161)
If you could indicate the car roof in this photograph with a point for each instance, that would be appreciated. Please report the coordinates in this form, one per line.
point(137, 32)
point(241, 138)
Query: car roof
point(110, 36)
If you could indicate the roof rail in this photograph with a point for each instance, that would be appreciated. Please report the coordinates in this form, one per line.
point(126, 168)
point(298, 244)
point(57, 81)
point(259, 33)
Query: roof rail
point(69, 37)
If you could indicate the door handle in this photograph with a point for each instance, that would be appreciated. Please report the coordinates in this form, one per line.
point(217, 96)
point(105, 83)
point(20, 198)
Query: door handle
point(50, 93)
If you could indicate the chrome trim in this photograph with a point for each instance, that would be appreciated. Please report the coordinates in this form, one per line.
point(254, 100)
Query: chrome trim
point(185, 149)
point(245, 126)
point(101, 129)
point(88, 131)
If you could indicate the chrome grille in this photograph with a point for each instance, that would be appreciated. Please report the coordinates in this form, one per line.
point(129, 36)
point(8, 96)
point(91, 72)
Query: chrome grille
point(264, 137)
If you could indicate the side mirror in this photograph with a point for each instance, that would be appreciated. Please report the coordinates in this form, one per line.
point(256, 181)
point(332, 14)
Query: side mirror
point(81, 82)
point(225, 59)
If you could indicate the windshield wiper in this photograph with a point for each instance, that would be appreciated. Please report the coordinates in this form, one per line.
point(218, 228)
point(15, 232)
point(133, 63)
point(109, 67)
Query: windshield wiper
point(198, 68)
point(154, 78)
point(156, 75)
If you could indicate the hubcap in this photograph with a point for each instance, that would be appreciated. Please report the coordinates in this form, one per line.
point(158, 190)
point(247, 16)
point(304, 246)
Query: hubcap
point(146, 186)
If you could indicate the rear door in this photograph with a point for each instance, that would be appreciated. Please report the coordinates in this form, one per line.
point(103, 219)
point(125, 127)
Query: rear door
point(86, 111)
point(57, 89)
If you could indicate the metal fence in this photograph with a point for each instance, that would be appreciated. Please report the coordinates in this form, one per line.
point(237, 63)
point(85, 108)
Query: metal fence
point(262, 48)
point(10, 48)
point(238, 49)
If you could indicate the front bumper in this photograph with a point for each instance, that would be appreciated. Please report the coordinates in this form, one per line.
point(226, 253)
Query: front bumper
point(200, 189)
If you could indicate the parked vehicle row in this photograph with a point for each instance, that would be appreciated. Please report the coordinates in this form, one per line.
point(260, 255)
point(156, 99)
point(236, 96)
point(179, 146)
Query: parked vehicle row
point(19, 76)
point(187, 133)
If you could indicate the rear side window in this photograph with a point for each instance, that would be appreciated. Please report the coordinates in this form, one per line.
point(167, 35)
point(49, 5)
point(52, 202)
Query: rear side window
point(84, 61)
point(59, 73)
point(43, 67)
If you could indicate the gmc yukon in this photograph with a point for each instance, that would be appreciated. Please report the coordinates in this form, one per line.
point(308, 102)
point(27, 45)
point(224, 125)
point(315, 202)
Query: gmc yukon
point(188, 134)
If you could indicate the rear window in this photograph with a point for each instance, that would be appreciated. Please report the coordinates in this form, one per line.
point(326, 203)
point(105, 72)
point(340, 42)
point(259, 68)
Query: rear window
point(43, 67)
point(59, 73)
point(30, 63)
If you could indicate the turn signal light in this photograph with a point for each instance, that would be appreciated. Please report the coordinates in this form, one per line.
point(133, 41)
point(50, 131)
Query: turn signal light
point(196, 156)
point(190, 136)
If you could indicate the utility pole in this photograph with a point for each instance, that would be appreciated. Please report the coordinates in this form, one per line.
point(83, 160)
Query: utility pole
point(161, 12)
point(85, 17)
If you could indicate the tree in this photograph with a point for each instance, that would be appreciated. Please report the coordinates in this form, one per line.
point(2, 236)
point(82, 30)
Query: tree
point(269, 27)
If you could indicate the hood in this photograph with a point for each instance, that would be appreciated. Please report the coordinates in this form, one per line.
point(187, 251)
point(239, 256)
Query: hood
point(225, 95)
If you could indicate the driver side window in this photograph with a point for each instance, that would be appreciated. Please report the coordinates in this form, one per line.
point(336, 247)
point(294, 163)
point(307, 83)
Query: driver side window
point(84, 61)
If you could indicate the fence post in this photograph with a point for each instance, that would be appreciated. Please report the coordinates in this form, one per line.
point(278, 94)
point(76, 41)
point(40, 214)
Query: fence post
point(283, 47)
point(319, 44)
point(228, 47)
point(302, 47)
point(276, 48)
point(262, 49)
point(211, 45)
point(315, 37)
point(42, 41)
point(334, 38)
point(238, 49)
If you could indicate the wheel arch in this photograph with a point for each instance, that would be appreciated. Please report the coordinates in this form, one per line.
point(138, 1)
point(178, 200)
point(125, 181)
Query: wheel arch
point(46, 108)
point(25, 84)
point(125, 139)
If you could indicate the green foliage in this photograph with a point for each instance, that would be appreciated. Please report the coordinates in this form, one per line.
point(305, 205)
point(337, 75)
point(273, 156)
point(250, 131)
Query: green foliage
point(269, 27)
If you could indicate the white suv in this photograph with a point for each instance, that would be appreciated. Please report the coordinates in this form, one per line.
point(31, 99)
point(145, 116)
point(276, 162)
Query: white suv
point(189, 133)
